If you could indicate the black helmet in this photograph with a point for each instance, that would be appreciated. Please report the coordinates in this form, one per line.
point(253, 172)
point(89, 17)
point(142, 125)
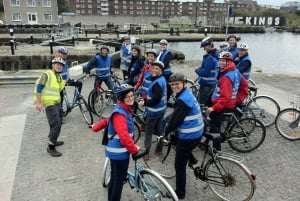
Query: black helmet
point(177, 77)
point(151, 51)
point(159, 64)
point(122, 90)
point(232, 36)
point(104, 47)
point(137, 48)
point(206, 41)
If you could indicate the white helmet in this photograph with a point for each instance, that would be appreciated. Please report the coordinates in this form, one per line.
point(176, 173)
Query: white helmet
point(58, 60)
point(223, 44)
point(243, 46)
point(163, 41)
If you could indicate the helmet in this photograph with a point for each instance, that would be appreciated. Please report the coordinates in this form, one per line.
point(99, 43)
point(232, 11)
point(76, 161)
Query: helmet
point(206, 41)
point(232, 36)
point(225, 55)
point(126, 37)
point(104, 47)
point(163, 41)
point(122, 90)
point(177, 77)
point(58, 60)
point(223, 44)
point(63, 50)
point(159, 64)
point(137, 48)
point(151, 51)
point(243, 46)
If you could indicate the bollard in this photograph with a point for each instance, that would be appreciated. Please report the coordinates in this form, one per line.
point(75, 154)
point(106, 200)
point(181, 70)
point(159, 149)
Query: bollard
point(73, 40)
point(11, 31)
point(52, 38)
point(99, 33)
point(12, 46)
point(31, 39)
point(97, 44)
point(51, 47)
point(85, 31)
point(205, 32)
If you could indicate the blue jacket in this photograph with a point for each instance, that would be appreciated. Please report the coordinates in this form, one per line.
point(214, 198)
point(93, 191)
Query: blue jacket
point(102, 65)
point(160, 108)
point(233, 51)
point(209, 69)
point(192, 126)
point(127, 54)
point(114, 149)
point(245, 72)
point(146, 83)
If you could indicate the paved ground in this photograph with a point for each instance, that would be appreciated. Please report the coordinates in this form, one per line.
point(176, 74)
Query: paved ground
point(76, 175)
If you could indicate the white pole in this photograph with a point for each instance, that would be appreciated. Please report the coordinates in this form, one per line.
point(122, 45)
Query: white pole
point(227, 19)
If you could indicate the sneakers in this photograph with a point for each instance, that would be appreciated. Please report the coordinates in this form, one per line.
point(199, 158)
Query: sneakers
point(53, 152)
point(58, 143)
point(180, 196)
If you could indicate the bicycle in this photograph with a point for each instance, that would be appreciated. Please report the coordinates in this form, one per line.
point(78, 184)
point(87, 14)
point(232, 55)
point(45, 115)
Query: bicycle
point(148, 183)
point(98, 94)
point(77, 100)
point(224, 173)
point(287, 121)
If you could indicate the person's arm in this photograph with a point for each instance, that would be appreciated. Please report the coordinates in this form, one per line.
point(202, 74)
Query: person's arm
point(120, 125)
point(243, 90)
point(140, 79)
point(177, 117)
point(225, 94)
point(40, 86)
point(157, 92)
point(206, 67)
point(244, 66)
point(168, 59)
point(100, 124)
point(92, 63)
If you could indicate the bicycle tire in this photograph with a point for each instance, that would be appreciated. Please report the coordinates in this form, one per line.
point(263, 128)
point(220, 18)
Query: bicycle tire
point(258, 105)
point(85, 111)
point(192, 87)
point(90, 100)
point(229, 179)
point(287, 124)
point(154, 187)
point(65, 106)
point(98, 103)
point(163, 163)
point(137, 132)
point(105, 175)
point(246, 135)
point(251, 83)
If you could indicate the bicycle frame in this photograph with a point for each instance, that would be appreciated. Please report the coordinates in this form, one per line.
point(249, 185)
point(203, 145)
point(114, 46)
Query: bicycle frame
point(72, 104)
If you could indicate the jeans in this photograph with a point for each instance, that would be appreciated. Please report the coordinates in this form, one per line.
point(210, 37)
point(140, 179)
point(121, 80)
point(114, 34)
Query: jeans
point(184, 150)
point(108, 82)
point(153, 125)
point(205, 93)
point(216, 119)
point(118, 176)
point(54, 116)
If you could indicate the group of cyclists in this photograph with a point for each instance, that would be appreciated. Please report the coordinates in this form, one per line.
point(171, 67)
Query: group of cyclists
point(222, 76)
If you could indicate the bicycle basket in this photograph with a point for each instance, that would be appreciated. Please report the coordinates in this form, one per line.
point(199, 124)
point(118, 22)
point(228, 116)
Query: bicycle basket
point(294, 99)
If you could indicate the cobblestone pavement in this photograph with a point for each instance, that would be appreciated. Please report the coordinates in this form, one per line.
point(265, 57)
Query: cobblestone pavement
point(76, 175)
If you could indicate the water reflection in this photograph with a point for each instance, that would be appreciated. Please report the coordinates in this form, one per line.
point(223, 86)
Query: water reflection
point(271, 52)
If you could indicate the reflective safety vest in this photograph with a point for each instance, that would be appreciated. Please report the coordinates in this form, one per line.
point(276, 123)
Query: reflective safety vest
point(114, 149)
point(246, 74)
point(192, 126)
point(160, 108)
point(103, 67)
point(167, 69)
point(235, 77)
point(126, 53)
point(146, 83)
point(50, 94)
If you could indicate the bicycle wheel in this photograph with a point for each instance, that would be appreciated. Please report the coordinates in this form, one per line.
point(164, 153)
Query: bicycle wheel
point(287, 123)
point(192, 87)
point(265, 109)
point(253, 93)
point(111, 101)
point(162, 163)
point(136, 133)
point(90, 100)
point(154, 187)
point(65, 106)
point(246, 135)
point(229, 179)
point(98, 103)
point(105, 175)
point(85, 111)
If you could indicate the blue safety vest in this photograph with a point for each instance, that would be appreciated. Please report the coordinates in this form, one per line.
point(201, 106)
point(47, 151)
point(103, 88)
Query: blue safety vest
point(127, 54)
point(64, 72)
point(210, 79)
point(235, 77)
point(234, 51)
point(114, 149)
point(146, 83)
point(167, 69)
point(103, 67)
point(246, 74)
point(160, 108)
point(192, 126)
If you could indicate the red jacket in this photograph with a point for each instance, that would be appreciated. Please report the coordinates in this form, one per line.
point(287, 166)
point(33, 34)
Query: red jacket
point(225, 101)
point(120, 124)
point(147, 67)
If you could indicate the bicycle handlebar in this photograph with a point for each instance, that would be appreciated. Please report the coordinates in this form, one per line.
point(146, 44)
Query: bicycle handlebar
point(142, 152)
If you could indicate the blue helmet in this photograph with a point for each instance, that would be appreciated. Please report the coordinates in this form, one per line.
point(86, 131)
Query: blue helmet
point(206, 41)
point(122, 90)
point(63, 50)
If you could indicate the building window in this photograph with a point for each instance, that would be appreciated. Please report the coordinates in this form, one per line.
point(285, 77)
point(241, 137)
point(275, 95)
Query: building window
point(116, 1)
point(116, 12)
point(48, 17)
point(16, 17)
point(15, 2)
point(90, 6)
point(32, 18)
point(46, 3)
point(90, 11)
point(89, 1)
point(31, 3)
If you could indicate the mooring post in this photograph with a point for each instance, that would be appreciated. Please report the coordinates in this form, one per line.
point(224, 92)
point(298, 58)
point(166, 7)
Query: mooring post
point(51, 47)
point(12, 46)
point(31, 39)
point(73, 40)
point(11, 32)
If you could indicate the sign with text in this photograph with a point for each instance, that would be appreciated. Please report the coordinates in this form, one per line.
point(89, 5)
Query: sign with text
point(258, 21)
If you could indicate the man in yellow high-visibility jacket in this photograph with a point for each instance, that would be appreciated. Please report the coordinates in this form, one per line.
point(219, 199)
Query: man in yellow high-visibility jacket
point(47, 95)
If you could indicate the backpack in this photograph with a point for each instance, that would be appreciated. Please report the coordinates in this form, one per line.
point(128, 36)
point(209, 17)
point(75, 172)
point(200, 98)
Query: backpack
point(105, 138)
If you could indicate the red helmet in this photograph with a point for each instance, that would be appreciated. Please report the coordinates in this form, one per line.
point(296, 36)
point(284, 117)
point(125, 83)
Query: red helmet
point(226, 56)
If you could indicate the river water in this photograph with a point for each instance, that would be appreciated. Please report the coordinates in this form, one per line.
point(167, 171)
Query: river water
point(277, 53)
